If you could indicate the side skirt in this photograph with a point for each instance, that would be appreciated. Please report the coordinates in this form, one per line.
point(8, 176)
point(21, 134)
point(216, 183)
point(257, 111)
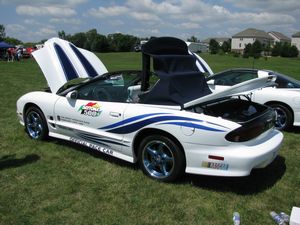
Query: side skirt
point(97, 147)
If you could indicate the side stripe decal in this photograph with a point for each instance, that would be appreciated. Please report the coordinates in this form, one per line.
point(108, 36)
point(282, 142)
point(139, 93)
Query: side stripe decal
point(130, 120)
point(129, 128)
point(193, 125)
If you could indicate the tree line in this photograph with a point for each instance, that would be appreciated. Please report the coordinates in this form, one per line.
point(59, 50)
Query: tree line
point(90, 40)
point(95, 42)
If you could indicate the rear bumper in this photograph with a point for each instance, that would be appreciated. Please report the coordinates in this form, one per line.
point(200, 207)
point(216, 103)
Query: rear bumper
point(238, 158)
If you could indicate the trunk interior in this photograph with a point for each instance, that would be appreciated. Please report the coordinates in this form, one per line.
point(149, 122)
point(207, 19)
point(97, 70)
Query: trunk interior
point(254, 118)
point(237, 110)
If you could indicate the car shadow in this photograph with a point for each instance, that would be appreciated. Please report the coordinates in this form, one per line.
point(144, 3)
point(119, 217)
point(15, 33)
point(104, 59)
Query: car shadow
point(293, 129)
point(258, 181)
point(10, 161)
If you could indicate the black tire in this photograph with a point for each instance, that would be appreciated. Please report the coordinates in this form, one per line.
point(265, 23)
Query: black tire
point(35, 124)
point(161, 158)
point(284, 117)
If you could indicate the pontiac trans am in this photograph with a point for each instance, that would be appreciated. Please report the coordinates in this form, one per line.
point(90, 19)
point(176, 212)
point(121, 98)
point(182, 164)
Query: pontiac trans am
point(164, 117)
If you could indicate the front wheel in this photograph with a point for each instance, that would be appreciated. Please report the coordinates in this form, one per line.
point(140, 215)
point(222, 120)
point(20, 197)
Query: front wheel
point(35, 124)
point(284, 117)
point(161, 158)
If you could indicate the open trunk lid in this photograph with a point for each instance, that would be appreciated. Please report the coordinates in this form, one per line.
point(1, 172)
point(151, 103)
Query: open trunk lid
point(236, 90)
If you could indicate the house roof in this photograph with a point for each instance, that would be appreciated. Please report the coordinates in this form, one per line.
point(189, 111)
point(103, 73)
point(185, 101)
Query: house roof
point(296, 35)
point(279, 36)
point(252, 33)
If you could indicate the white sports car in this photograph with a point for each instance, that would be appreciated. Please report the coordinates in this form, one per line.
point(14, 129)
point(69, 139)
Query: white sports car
point(167, 120)
point(284, 97)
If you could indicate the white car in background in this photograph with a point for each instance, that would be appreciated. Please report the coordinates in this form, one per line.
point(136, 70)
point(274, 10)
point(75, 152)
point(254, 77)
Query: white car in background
point(283, 97)
point(167, 120)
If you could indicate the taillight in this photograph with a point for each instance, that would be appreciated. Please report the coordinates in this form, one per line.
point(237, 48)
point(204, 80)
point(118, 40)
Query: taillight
point(252, 129)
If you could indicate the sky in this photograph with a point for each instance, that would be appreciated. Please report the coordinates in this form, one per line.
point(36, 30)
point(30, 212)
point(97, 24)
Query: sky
point(35, 20)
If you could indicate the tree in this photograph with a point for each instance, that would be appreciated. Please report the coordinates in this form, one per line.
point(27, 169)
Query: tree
point(62, 34)
point(121, 42)
point(12, 41)
point(2, 32)
point(276, 50)
point(247, 51)
point(226, 46)
point(91, 36)
point(213, 46)
point(294, 51)
point(100, 44)
point(193, 39)
point(256, 49)
point(285, 50)
point(78, 39)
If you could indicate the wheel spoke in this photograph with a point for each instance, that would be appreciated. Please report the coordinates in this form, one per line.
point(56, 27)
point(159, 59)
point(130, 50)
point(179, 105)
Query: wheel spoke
point(151, 151)
point(167, 158)
point(149, 164)
point(163, 169)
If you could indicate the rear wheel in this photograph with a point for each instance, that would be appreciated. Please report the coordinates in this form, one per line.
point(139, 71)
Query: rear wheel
point(284, 117)
point(161, 158)
point(35, 124)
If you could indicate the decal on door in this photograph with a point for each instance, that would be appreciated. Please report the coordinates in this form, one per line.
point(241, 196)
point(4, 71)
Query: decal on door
point(90, 109)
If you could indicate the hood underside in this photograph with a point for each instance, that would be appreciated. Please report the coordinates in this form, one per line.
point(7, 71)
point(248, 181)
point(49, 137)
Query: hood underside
point(61, 61)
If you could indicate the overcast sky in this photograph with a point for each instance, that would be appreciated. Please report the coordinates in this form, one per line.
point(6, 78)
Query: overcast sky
point(34, 20)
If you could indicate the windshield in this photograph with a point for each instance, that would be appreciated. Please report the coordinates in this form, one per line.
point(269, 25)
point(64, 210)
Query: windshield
point(284, 81)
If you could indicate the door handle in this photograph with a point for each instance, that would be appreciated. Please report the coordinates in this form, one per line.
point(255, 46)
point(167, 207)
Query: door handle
point(115, 114)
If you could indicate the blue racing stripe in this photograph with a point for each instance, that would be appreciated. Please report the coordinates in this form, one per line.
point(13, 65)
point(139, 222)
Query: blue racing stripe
point(68, 68)
point(197, 126)
point(85, 63)
point(138, 125)
point(129, 120)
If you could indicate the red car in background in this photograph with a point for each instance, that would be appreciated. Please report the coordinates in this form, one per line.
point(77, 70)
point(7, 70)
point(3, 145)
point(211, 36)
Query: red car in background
point(27, 52)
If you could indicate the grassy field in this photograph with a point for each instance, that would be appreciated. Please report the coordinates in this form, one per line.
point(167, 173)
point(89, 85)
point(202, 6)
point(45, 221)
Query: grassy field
point(56, 182)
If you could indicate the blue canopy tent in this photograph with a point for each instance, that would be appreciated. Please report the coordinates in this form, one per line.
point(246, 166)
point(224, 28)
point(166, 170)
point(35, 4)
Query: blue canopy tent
point(4, 45)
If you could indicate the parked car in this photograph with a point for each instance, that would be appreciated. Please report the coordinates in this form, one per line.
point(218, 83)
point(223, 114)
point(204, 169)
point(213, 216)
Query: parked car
point(284, 96)
point(167, 120)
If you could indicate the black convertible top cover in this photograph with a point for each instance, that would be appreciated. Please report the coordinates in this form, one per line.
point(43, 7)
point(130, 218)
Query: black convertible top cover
point(180, 79)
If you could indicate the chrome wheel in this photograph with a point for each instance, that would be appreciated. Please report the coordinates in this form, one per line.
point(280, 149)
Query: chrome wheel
point(281, 118)
point(161, 158)
point(284, 117)
point(35, 124)
point(158, 159)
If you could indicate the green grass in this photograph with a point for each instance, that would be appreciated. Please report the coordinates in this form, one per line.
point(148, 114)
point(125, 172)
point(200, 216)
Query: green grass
point(56, 182)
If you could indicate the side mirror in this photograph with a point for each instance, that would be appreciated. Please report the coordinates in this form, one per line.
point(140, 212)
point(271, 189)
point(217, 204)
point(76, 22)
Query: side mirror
point(72, 95)
point(211, 82)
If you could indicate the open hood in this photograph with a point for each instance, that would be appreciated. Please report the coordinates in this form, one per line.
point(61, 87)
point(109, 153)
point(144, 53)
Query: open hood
point(238, 89)
point(61, 61)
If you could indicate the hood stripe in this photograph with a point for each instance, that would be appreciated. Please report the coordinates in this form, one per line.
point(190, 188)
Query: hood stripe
point(68, 68)
point(85, 63)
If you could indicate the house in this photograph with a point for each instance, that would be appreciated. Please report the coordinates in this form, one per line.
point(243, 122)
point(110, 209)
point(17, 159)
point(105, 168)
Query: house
point(220, 40)
point(279, 37)
point(296, 40)
point(197, 47)
point(249, 36)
